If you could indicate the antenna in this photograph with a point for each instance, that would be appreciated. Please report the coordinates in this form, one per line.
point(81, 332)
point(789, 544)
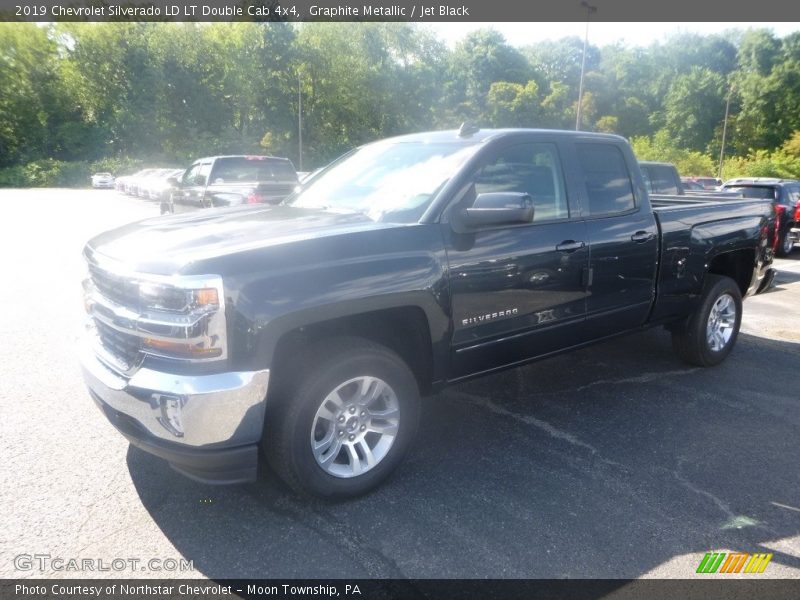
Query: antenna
point(467, 129)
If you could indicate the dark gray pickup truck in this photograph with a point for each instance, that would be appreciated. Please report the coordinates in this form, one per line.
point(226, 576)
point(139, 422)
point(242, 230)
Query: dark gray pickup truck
point(234, 180)
point(308, 331)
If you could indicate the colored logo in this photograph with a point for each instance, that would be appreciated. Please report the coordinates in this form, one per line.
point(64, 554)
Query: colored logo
point(735, 562)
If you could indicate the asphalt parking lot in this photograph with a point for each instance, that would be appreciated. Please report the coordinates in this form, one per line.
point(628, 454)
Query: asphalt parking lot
point(617, 461)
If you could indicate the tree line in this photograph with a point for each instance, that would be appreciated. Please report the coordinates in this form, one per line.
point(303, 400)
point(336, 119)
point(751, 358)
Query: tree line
point(76, 96)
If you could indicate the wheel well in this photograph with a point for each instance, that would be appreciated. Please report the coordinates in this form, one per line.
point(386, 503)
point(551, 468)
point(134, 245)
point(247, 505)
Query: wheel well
point(738, 265)
point(404, 330)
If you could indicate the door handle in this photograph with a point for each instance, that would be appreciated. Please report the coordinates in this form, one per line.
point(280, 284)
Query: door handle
point(640, 237)
point(570, 246)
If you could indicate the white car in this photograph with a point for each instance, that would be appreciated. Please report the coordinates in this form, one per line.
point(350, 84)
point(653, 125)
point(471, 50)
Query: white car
point(158, 187)
point(102, 180)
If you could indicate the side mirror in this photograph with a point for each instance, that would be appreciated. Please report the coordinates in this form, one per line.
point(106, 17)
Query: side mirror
point(173, 181)
point(498, 208)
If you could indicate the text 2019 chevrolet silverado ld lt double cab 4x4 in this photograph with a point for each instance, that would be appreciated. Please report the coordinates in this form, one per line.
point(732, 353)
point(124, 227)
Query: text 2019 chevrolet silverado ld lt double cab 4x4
point(309, 330)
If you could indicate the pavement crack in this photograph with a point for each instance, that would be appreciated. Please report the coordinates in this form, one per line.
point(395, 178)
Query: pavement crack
point(643, 378)
point(690, 486)
point(548, 428)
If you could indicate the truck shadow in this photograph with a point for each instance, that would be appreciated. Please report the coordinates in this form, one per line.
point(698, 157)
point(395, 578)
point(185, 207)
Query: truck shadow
point(611, 462)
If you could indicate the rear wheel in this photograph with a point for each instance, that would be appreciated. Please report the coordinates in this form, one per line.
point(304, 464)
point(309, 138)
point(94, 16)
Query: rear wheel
point(343, 428)
point(708, 336)
point(786, 243)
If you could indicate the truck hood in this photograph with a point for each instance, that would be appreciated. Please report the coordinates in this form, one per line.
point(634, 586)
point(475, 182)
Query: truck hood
point(168, 245)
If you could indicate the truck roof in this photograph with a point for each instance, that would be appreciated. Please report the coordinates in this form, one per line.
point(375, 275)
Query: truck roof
point(656, 163)
point(485, 135)
point(758, 180)
point(250, 156)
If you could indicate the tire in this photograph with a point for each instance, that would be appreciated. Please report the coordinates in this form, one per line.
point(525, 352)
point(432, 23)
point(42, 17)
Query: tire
point(342, 425)
point(785, 243)
point(167, 205)
point(704, 339)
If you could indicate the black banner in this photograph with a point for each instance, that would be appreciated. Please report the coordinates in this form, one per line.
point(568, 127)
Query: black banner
point(395, 10)
point(716, 587)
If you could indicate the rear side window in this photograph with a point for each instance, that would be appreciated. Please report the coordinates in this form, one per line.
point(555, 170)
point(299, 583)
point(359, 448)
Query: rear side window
point(608, 185)
point(246, 169)
point(660, 180)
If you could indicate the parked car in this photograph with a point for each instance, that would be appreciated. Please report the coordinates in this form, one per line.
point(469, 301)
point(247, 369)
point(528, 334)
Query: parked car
point(130, 183)
point(234, 180)
point(708, 183)
point(785, 196)
point(142, 185)
point(663, 178)
point(689, 185)
point(102, 180)
point(309, 330)
point(157, 185)
point(119, 183)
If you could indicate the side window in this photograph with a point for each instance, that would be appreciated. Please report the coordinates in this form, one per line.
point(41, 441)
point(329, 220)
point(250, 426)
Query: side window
point(202, 174)
point(190, 174)
point(608, 184)
point(533, 169)
point(793, 194)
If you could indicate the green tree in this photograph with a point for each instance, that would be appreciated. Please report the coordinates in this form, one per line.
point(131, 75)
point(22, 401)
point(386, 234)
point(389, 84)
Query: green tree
point(694, 106)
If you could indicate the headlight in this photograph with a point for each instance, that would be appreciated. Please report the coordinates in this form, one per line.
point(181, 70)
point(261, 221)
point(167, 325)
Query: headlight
point(183, 320)
point(161, 297)
point(180, 317)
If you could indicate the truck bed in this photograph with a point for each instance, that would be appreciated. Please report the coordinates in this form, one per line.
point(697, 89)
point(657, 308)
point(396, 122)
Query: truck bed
point(694, 231)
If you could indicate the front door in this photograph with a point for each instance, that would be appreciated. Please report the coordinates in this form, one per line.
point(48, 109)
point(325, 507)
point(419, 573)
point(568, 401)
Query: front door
point(517, 291)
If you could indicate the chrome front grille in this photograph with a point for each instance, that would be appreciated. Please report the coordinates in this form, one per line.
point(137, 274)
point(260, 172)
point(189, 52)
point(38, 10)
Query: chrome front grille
point(118, 289)
point(123, 346)
point(133, 315)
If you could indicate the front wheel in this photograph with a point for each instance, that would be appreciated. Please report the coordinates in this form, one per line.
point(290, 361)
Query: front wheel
point(344, 428)
point(708, 336)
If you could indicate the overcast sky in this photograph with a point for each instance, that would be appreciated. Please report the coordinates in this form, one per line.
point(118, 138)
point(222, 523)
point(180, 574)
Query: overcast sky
point(600, 34)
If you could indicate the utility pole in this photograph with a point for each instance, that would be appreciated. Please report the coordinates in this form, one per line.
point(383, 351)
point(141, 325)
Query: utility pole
point(299, 121)
point(724, 132)
point(589, 10)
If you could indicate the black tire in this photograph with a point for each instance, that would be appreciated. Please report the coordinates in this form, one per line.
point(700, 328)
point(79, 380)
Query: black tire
point(288, 428)
point(690, 340)
point(167, 204)
point(785, 243)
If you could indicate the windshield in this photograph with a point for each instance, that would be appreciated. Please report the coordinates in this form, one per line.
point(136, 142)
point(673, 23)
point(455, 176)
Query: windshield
point(388, 181)
point(748, 191)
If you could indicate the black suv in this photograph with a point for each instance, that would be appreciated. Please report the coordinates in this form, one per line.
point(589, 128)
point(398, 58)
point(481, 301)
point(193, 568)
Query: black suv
point(785, 194)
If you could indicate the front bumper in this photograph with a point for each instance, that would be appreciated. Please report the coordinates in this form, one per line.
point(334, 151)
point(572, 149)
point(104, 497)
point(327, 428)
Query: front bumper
point(206, 426)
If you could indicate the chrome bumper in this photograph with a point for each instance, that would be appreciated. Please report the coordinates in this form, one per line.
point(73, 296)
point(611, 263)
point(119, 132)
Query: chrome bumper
point(221, 410)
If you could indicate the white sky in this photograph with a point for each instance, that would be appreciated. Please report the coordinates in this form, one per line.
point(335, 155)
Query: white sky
point(600, 34)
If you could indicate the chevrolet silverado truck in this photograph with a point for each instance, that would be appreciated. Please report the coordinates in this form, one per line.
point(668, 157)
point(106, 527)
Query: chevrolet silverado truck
point(308, 331)
point(233, 180)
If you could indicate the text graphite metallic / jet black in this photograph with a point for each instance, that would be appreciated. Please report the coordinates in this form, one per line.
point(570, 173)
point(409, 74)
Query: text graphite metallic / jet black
point(308, 331)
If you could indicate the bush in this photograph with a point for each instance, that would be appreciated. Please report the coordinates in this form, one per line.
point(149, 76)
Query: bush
point(661, 147)
point(58, 173)
point(762, 163)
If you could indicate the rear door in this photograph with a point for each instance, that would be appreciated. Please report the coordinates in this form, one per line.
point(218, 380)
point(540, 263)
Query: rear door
point(623, 238)
point(517, 291)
